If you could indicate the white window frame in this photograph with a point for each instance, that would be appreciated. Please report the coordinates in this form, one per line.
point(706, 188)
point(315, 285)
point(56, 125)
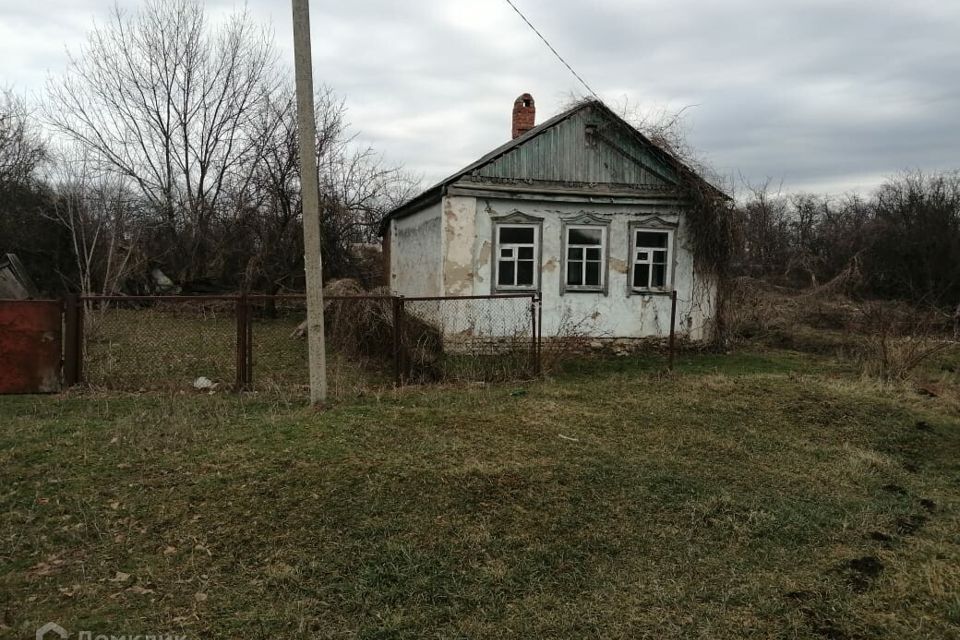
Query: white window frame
point(516, 220)
point(670, 232)
point(586, 222)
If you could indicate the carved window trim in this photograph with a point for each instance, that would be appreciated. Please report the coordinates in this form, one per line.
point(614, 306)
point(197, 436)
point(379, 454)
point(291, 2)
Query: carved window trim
point(652, 224)
point(515, 219)
point(585, 221)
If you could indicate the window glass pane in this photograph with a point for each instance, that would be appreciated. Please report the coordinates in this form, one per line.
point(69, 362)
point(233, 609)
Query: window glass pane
point(574, 273)
point(506, 253)
point(593, 274)
point(525, 273)
point(505, 272)
point(650, 239)
point(525, 253)
point(660, 257)
point(641, 275)
point(516, 235)
point(659, 275)
point(575, 253)
point(643, 255)
point(593, 254)
point(584, 236)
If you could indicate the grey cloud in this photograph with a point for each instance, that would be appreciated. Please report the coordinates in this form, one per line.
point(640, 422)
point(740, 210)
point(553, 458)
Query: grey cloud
point(824, 94)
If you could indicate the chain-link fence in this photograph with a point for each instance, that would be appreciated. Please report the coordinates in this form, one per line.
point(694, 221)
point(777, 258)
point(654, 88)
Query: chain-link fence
point(259, 342)
point(359, 343)
point(469, 338)
point(154, 343)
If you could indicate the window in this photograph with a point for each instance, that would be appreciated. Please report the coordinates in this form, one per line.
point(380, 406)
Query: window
point(517, 251)
point(585, 257)
point(651, 259)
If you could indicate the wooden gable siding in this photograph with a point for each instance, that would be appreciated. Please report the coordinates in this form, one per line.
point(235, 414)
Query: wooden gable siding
point(563, 153)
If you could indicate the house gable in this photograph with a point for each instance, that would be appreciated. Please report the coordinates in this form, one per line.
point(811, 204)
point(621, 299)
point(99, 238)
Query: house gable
point(589, 146)
point(588, 149)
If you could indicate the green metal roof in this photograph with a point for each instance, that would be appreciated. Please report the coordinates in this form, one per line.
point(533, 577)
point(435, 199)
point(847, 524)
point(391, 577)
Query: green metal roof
point(586, 144)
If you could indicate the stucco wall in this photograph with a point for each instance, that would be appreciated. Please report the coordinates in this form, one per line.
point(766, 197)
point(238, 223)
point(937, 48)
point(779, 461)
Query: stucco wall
point(459, 245)
point(416, 264)
point(468, 236)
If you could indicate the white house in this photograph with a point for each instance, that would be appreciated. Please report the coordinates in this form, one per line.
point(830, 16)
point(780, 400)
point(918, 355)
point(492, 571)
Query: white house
point(582, 208)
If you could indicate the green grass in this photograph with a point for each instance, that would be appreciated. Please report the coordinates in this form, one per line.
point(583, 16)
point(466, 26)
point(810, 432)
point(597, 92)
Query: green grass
point(751, 495)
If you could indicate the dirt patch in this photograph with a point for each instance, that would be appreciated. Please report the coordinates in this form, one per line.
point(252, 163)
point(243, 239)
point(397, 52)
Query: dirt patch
point(923, 425)
point(828, 629)
point(879, 536)
point(862, 571)
point(894, 489)
point(928, 504)
point(910, 524)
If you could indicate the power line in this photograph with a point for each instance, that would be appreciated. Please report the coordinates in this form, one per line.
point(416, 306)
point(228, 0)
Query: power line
point(550, 46)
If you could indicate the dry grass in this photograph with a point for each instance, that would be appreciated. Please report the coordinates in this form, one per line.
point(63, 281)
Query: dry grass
point(888, 340)
point(752, 495)
point(166, 347)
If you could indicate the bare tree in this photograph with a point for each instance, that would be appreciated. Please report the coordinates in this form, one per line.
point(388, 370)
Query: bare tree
point(167, 102)
point(21, 147)
point(357, 187)
point(197, 122)
point(100, 216)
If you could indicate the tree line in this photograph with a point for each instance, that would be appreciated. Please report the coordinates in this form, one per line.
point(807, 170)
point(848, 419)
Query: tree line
point(176, 152)
point(170, 145)
point(902, 242)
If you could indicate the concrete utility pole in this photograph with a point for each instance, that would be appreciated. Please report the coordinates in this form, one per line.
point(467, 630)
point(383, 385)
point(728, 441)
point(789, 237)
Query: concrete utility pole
point(310, 196)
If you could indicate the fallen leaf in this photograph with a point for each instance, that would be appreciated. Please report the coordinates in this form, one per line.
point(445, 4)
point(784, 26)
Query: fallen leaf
point(200, 596)
point(120, 577)
point(169, 551)
point(139, 590)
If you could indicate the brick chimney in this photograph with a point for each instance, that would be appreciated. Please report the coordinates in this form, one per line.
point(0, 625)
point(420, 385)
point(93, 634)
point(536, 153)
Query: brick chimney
point(524, 115)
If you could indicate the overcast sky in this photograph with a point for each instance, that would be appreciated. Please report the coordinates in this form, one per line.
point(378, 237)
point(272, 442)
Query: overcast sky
point(823, 95)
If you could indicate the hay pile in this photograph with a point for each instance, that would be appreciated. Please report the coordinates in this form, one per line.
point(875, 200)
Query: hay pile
point(360, 324)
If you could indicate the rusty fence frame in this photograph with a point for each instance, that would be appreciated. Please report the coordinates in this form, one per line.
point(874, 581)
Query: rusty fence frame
point(74, 327)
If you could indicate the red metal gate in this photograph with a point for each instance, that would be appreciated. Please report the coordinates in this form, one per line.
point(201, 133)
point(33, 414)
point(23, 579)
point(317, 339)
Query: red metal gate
point(30, 346)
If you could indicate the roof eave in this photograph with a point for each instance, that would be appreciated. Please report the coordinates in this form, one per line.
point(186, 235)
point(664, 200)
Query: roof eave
point(425, 199)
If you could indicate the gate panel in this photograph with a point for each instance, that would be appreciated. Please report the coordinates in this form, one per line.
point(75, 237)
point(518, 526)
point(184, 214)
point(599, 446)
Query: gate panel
point(30, 346)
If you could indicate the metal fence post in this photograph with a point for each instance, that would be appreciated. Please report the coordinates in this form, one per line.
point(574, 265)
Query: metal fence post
point(395, 300)
point(534, 342)
point(248, 316)
point(241, 311)
point(540, 331)
point(404, 357)
point(73, 340)
point(673, 322)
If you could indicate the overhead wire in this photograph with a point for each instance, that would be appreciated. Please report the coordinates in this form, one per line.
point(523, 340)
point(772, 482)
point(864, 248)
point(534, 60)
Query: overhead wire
point(555, 52)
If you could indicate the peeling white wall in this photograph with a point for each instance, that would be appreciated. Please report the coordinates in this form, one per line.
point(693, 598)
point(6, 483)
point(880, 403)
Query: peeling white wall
point(459, 245)
point(416, 250)
point(468, 269)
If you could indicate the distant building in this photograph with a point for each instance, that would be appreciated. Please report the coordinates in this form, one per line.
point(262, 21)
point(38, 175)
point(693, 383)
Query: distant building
point(582, 208)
